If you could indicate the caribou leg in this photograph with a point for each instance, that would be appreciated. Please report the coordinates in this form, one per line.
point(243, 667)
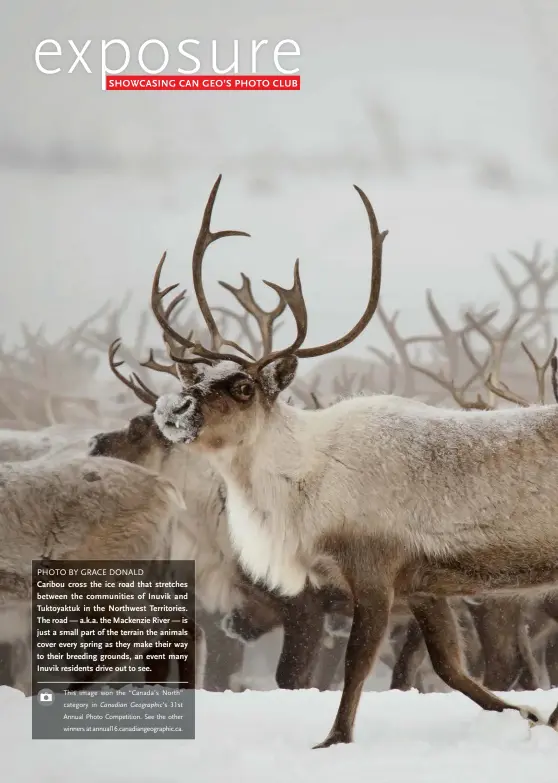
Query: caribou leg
point(441, 634)
point(370, 623)
point(410, 657)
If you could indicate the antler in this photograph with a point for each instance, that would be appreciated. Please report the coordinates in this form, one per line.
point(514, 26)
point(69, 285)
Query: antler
point(452, 341)
point(264, 318)
point(294, 299)
point(536, 269)
point(554, 376)
point(173, 347)
point(391, 364)
point(457, 392)
point(133, 382)
point(377, 237)
point(290, 297)
point(541, 369)
point(200, 353)
point(308, 393)
point(497, 344)
point(506, 393)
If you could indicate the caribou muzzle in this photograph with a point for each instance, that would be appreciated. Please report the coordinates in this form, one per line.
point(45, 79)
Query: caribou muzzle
point(179, 417)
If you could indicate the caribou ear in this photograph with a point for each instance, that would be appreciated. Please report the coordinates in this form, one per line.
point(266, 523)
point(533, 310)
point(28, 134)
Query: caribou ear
point(188, 374)
point(276, 376)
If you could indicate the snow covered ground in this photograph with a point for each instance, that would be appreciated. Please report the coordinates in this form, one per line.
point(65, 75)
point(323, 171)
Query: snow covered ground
point(256, 736)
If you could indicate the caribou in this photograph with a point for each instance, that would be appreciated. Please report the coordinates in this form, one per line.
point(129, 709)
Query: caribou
point(314, 632)
point(78, 508)
point(376, 495)
point(202, 533)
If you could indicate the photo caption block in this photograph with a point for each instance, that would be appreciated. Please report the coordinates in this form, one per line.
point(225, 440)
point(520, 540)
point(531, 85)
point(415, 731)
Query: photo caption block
point(113, 649)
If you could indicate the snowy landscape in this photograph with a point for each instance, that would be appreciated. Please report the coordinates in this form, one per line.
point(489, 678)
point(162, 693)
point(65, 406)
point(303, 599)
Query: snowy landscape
point(446, 114)
point(443, 113)
point(268, 736)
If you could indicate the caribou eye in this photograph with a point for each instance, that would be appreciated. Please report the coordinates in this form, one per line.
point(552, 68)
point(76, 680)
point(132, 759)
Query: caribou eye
point(243, 390)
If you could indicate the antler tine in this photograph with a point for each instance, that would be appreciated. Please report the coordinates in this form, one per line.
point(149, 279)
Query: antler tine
point(201, 355)
point(139, 388)
point(505, 392)
point(152, 364)
point(497, 344)
point(469, 353)
point(172, 345)
point(480, 368)
point(204, 239)
point(541, 369)
point(160, 313)
point(343, 384)
point(75, 333)
point(391, 364)
point(308, 393)
point(264, 318)
point(294, 300)
point(536, 269)
point(503, 337)
point(144, 387)
point(448, 337)
point(457, 392)
point(243, 322)
point(178, 300)
point(554, 376)
point(377, 245)
point(315, 399)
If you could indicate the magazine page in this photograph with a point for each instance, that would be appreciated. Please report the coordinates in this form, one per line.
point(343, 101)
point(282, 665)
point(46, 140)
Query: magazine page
point(278, 391)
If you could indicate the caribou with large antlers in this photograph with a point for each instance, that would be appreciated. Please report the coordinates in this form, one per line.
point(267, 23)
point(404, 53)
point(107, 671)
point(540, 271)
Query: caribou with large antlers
point(220, 584)
point(379, 495)
point(202, 533)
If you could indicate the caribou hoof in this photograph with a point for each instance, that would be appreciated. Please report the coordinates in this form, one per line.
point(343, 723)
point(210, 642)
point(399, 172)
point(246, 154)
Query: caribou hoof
point(534, 717)
point(335, 737)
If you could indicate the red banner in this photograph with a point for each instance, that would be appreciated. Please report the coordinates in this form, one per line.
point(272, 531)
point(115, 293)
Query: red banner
point(182, 82)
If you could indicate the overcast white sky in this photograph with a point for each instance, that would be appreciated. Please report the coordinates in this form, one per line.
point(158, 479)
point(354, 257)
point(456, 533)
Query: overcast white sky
point(446, 113)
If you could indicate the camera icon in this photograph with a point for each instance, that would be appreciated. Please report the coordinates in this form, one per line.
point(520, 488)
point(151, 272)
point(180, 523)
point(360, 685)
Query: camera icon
point(46, 696)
